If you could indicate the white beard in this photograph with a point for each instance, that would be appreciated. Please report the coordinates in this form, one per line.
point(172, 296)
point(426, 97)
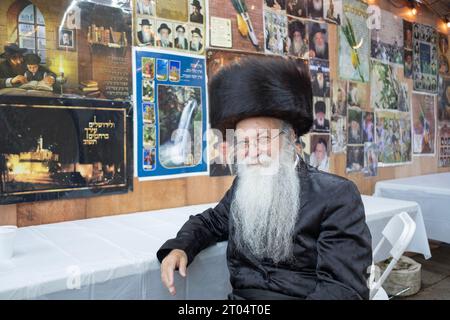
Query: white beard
point(165, 42)
point(320, 121)
point(146, 37)
point(195, 45)
point(320, 50)
point(181, 42)
point(297, 46)
point(265, 207)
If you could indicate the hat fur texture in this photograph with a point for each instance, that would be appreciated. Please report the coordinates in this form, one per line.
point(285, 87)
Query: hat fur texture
point(261, 87)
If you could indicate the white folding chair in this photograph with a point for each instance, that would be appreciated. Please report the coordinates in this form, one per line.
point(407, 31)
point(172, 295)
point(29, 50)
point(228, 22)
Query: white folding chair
point(398, 233)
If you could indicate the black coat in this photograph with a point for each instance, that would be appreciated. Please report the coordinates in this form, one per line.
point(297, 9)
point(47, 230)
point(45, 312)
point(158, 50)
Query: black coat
point(6, 72)
point(332, 242)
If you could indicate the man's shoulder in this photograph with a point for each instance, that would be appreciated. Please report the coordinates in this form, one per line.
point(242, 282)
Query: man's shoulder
point(327, 184)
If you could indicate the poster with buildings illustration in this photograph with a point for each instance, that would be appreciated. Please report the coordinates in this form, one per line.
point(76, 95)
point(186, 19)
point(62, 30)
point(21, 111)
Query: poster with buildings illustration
point(63, 151)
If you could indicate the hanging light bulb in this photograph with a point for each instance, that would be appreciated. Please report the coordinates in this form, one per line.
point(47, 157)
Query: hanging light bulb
point(412, 5)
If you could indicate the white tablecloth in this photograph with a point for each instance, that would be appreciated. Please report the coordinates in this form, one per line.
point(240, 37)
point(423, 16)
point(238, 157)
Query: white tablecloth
point(431, 192)
point(115, 257)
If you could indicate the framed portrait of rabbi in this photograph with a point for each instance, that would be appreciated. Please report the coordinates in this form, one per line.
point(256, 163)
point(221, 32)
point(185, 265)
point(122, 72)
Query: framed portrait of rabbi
point(282, 242)
point(67, 39)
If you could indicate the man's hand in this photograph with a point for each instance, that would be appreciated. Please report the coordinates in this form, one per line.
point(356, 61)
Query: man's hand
point(175, 259)
point(19, 79)
point(49, 80)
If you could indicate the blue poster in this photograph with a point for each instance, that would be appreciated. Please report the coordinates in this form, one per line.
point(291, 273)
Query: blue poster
point(171, 117)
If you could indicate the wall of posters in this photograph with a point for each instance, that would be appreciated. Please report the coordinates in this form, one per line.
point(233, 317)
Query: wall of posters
point(171, 116)
point(387, 41)
point(286, 33)
point(64, 150)
point(70, 45)
point(393, 137)
point(424, 124)
point(425, 63)
point(170, 24)
point(354, 44)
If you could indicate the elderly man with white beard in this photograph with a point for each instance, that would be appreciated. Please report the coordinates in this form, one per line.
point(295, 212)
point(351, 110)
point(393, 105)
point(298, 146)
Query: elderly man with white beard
point(282, 242)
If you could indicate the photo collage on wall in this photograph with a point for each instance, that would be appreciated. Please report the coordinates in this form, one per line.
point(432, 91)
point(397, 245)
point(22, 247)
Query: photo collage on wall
point(297, 27)
point(171, 118)
point(360, 125)
point(390, 89)
point(170, 24)
point(425, 58)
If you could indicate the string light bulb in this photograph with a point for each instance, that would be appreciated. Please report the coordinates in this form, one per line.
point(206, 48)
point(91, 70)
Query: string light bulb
point(412, 6)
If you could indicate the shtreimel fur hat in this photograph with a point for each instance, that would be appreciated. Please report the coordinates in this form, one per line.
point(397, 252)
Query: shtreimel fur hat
point(261, 87)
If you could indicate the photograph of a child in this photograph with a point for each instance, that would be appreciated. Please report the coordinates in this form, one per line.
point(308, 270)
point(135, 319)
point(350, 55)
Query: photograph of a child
point(37, 76)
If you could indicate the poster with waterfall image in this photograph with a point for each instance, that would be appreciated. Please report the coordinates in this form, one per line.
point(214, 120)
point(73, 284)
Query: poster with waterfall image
point(171, 118)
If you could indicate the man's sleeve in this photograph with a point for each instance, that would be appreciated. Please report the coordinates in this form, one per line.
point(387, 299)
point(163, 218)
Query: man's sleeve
point(344, 248)
point(201, 230)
